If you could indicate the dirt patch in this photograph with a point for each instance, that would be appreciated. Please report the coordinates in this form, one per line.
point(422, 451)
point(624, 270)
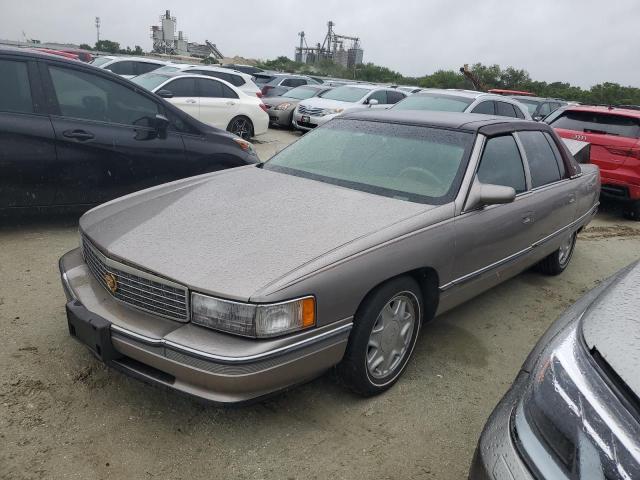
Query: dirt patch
point(611, 231)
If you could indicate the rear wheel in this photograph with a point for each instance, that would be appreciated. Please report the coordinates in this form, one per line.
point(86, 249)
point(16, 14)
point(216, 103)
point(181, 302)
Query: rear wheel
point(241, 126)
point(632, 210)
point(557, 262)
point(385, 332)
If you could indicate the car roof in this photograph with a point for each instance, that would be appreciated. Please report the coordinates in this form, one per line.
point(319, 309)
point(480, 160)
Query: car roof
point(455, 120)
point(473, 94)
point(134, 59)
point(538, 99)
point(627, 112)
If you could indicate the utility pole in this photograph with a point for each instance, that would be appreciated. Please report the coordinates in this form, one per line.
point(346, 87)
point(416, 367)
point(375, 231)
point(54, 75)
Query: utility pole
point(98, 28)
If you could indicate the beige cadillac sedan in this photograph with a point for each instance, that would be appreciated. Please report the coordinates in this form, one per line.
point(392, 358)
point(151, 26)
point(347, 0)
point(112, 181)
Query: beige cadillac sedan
point(237, 284)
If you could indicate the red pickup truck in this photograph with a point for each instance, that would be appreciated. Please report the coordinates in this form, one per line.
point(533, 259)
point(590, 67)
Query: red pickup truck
point(614, 134)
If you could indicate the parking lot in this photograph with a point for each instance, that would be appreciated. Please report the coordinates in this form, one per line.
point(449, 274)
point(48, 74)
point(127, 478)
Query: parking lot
point(64, 415)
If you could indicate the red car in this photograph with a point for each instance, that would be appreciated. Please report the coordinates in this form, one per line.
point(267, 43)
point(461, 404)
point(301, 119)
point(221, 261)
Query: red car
point(614, 135)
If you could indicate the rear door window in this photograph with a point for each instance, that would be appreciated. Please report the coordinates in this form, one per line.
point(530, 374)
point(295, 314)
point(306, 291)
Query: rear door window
point(505, 110)
point(556, 153)
point(214, 89)
point(146, 67)
point(293, 82)
point(486, 108)
point(501, 164)
point(543, 164)
point(15, 90)
point(596, 122)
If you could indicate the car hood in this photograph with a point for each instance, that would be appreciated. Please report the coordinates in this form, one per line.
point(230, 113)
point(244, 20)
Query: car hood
point(319, 102)
point(275, 101)
point(612, 326)
point(234, 232)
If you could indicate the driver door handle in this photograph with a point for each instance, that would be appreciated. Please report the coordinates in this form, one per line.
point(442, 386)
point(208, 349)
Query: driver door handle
point(190, 100)
point(231, 103)
point(81, 135)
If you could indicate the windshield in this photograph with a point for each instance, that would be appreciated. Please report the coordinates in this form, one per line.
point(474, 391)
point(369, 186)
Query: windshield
point(167, 69)
point(407, 162)
point(595, 122)
point(100, 61)
point(434, 102)
point(301, 93)
point(345, 94)
point(150, 81)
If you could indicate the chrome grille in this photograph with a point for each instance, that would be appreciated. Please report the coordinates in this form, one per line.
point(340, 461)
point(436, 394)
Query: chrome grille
point(316, 111)
point(136, 288)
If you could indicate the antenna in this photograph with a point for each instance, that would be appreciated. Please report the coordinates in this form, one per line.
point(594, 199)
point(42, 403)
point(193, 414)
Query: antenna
point(98, 28)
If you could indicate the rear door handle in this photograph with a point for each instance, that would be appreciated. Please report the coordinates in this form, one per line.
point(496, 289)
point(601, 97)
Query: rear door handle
point(81, 135)
point(572, 198)
point(528, 218)
point(190, 100)
point(231, 103)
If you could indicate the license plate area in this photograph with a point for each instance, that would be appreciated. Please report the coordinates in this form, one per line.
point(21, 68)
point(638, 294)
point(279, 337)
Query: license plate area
point(91, 330)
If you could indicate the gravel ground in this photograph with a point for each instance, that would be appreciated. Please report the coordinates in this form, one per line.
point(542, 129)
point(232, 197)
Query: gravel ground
point(63, 415)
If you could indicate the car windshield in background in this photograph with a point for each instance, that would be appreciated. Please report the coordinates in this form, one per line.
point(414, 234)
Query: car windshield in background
point(434, 102)
point(345, 94)
point(301, 93)
point(100, 61)
point(150, 80)
point(594, 122)
point(530, 104)
point(167, 69)
point(407, 162)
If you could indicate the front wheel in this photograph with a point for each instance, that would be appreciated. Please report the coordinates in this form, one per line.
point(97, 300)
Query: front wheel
point(632, 210)
point(557, 262)
point(384, 335)
point(241, 126)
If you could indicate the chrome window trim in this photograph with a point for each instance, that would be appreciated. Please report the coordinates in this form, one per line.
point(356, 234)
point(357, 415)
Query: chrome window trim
point(232, 360)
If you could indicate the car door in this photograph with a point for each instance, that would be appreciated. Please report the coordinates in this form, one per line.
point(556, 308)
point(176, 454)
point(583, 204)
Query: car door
point(27, 141)
point(106, 139)
point(218, 103)
point(553, 190)
point(492, 241)
point(185, 95)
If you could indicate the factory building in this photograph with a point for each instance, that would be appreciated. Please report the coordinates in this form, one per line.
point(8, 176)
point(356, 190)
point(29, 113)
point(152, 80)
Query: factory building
point(168, 40)
point(332, 48)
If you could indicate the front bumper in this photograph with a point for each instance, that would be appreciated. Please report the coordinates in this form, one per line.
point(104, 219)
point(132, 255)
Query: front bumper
point(312, 123)
point(496, 457)
point(622, 184)
point(211, 365)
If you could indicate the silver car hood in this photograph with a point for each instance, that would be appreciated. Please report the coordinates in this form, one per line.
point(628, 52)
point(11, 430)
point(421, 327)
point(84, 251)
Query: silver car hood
point(612, 326)
point(233, 232)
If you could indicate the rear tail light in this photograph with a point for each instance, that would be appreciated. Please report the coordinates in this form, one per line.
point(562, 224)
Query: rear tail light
point(266, 88)
point(263, 106)
point(259, 94)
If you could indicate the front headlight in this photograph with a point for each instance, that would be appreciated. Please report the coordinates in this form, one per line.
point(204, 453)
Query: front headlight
point(283, 106)
point(253, 320)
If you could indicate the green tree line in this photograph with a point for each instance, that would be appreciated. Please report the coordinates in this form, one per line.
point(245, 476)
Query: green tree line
point(492, 76)
point(112, 47)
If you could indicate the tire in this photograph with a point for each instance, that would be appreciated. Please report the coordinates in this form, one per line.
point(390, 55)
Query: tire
point(357, 371)
point(241, 126)
point(632, 210)
point(557, 262)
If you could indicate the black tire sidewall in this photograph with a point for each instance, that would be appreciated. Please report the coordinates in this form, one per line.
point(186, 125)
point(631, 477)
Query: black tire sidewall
point(365, 319)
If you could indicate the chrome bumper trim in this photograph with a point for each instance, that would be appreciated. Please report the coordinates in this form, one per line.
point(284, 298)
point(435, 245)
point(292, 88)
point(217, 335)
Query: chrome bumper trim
point(233, 360)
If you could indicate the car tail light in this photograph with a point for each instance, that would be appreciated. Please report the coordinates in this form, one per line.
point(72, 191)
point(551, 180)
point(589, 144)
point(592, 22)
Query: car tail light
point(266, 88)
point(263, 106)
point(259, 94)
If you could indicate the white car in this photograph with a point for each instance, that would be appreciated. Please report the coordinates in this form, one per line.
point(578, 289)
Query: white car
point(319, 110)
point(127, 67)
point(243, 81)
point(210, 100)
point(468, 101)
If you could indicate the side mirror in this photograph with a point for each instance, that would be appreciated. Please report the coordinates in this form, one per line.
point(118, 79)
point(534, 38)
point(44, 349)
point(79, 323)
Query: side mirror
point(483, 194)
point(538, 118)
point(161, 125)
point(372, 102)
point(165, 93)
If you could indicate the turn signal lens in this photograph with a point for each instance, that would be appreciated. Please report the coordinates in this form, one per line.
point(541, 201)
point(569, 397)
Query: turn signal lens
point(244, 145)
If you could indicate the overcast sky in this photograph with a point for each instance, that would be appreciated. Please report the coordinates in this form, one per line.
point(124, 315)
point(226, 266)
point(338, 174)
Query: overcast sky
point(584, 42)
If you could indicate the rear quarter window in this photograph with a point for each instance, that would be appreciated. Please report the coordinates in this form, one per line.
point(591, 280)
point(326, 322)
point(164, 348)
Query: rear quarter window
point(596, 122)
point(543, 165)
